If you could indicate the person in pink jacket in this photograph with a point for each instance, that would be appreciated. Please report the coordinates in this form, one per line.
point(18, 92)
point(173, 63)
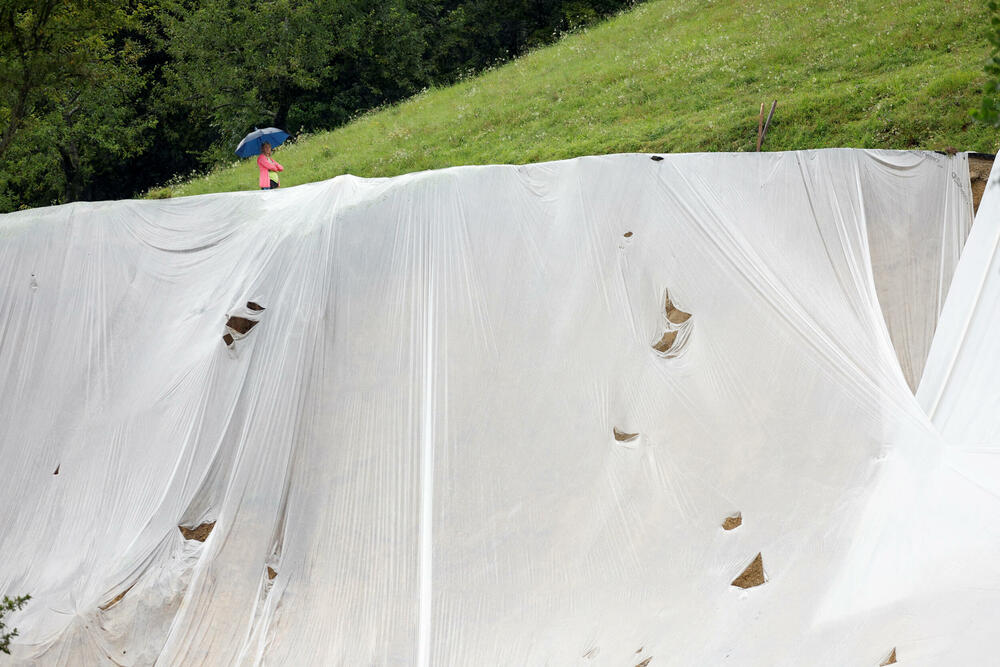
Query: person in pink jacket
point(267, 168)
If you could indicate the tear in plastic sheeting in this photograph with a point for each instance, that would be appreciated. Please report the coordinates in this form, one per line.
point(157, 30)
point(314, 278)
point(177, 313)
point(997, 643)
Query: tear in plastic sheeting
point(417, 435)
point(733, 521)
point(752, 575)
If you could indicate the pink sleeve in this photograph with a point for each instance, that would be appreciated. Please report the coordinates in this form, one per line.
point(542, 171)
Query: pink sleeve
point(268, 164)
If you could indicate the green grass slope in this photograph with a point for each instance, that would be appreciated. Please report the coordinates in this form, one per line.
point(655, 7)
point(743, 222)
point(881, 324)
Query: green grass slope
point(681, 76)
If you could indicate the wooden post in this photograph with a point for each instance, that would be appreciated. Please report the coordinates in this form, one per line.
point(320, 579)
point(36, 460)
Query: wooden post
point(767, 123)
point(760, 126)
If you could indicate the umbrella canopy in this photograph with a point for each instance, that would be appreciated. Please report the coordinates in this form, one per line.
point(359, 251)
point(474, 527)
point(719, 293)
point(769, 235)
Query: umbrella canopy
point(251, 143)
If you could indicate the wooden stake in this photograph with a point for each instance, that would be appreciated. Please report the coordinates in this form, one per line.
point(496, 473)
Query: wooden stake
point(760, 126)
point(767, 123)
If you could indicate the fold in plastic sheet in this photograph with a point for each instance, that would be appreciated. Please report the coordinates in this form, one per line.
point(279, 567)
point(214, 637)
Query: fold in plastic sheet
point(960, 389)
point(493, 416)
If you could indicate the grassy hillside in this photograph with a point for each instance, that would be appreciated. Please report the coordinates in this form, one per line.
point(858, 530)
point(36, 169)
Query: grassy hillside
point(678, 76)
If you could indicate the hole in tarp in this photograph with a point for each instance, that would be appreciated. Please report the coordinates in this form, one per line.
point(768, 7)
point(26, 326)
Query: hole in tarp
point(622, 436)
point(253, 305)
point(628, 235)
point(227, 339)
point(57, 469)
point(733, 521)
point(271, 574)
point(645, 662)
point(890, 659)
point(665, 343)
point(675, 317)
point(240, 325)
point(753, 575)
point(199, 534)
point(639, 650)
point(656, 158)
point(592, 653)
point(116, 599)
point(675, 314)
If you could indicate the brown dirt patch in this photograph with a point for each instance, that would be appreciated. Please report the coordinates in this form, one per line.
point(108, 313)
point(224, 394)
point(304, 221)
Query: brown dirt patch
point(645, 662)
point(116, 599)
point(666, 342)
point(622, 436)
point(891, 660)
point(227, 339)
point(628, 235)
point(252, 305)
point(240, 325)
point(199, 534)
point(675, 314)
point(979, 173)
point(753, 575)
point(271, 574)
point(734, 521)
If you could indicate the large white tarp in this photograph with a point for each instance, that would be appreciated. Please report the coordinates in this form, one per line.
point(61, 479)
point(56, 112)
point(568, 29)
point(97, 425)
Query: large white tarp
point(474, 425)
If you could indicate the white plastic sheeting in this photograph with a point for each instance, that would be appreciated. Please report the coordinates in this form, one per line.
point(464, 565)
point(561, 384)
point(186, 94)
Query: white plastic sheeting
point(915, 243)
point(418, 437)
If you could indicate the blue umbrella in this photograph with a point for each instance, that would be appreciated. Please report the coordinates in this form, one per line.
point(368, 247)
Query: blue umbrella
point(251, 143)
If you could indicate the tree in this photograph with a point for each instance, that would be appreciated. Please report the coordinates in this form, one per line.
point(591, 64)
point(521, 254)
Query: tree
point(45, 45)
point(989, 109)
point(295, 64)
point(238, 64)
point(6, 606)
point(79, 131)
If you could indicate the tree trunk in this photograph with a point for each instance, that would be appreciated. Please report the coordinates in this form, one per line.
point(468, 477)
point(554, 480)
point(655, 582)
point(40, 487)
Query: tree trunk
point(72, 178)
point(281, 116)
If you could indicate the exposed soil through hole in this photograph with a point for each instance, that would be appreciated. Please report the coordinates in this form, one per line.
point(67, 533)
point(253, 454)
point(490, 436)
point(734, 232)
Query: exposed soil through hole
point(675, 314)
point(666, 342)
point(621, 436)
point(733, 521)
point(753, 575)
point(240, 324)
point(891, 660)
point(271, 574)
point(252, 305)
point(199, 534)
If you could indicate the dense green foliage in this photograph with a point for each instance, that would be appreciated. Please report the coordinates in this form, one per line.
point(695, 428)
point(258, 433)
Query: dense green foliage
point(103, 98)
point(64, 92)
point(8, 605)
point(683, 75)
point(989, 110)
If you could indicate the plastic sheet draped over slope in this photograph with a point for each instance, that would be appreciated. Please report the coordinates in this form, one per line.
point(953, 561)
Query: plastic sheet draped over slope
point(960, 390)
point(461, 431)
point(915, 242)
